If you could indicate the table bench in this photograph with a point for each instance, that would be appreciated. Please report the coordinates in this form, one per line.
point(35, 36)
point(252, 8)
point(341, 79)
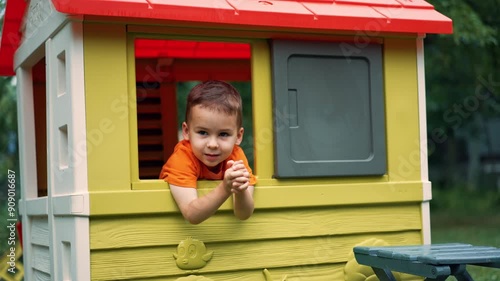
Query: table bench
point(434, 262)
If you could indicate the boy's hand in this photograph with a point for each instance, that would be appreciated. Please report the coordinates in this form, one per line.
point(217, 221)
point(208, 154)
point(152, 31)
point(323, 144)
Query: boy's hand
point(236, 177)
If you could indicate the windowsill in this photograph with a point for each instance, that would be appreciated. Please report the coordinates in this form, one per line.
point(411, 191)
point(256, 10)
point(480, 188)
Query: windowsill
point(207, 184)
point(161, 184)
point(150, 201)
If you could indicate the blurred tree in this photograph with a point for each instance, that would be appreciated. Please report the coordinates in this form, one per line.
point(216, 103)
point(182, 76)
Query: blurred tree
point(463, 85)
point(8, 127)
point(8, 141)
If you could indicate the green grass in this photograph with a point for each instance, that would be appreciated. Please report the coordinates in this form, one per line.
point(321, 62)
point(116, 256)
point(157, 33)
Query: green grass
point(467, 216)
point(477, 230)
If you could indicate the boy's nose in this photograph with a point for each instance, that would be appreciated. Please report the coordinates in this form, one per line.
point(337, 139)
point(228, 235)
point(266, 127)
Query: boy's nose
point(212, 143)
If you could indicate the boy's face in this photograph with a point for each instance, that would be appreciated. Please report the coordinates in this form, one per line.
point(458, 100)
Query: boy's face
point(212, 134)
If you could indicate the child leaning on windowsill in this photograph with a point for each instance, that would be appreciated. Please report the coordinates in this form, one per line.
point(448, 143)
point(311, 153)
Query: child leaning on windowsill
point(212, 132)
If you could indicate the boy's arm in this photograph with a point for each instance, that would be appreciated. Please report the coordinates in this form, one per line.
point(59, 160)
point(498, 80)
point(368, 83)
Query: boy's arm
point(197, 209)
point(243, 203)
point(242, 190)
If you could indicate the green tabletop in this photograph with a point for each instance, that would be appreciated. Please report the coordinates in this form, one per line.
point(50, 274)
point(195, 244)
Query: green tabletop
point(432, 261)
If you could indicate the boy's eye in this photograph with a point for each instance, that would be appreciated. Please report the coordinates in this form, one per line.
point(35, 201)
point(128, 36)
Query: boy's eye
point(203, 133)
point(224, 134)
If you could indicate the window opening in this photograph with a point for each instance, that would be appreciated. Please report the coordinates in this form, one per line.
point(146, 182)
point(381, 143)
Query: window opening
point(40, 114)
point(166, 70)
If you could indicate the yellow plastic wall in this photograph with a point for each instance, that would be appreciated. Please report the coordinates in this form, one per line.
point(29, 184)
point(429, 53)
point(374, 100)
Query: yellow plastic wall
point(302, 228)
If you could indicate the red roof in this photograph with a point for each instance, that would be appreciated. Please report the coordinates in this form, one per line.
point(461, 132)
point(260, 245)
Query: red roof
point(367, 16)
point(413, 16)
point(11, 36)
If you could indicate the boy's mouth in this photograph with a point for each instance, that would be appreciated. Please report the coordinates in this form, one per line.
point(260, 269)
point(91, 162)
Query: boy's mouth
point(211, 156)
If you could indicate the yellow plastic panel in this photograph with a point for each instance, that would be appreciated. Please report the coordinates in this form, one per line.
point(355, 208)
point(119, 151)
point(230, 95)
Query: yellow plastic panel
point(400, 73)
point(286, 196)
point(262, 110)
point(132, 100)
point(107, 106)
point(316, 272)
point(113, 233)
point(237, 256)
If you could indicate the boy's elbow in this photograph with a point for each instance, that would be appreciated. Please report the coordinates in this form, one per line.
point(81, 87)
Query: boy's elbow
point(244, 215)
point(192, 219)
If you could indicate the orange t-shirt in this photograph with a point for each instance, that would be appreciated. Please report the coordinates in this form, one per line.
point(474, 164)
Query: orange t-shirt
point(184, 169)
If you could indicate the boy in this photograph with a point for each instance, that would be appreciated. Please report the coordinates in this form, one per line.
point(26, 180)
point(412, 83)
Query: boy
point(212, 132)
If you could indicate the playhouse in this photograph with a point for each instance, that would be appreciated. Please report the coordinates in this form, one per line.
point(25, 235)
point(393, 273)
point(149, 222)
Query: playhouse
point(338, 145)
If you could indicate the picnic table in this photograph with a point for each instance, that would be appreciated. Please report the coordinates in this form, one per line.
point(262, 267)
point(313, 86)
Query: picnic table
point(434, 261)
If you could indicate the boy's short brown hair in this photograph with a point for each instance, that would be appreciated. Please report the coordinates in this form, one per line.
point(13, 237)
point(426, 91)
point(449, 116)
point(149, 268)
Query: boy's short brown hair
point(216, 95)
